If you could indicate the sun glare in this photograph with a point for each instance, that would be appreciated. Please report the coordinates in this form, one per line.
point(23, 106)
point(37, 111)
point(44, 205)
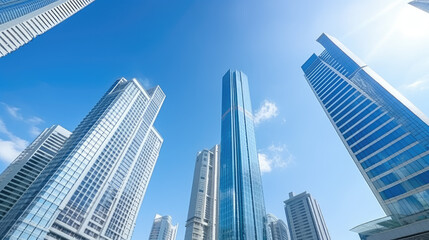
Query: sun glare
point(412, 22)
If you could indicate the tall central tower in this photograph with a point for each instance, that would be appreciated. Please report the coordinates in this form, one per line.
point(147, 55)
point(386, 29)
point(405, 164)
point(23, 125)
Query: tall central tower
point(241, 199)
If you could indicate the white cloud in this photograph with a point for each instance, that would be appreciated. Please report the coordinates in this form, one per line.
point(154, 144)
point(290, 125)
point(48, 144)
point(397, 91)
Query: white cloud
point(264, 163)
point(268, 110)
point(420, 84)
point(9, 150)
point(12, 147)
point(274, 157)
point(13, 111)
point(35, 120)
point(35, 131)
point(31, 121)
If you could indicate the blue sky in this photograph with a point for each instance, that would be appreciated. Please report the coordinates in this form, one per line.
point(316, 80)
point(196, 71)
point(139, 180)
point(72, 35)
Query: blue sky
point(186, 47)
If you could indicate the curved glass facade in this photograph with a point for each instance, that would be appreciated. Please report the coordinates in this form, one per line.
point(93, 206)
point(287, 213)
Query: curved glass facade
point(387, 136)
point(241, 201)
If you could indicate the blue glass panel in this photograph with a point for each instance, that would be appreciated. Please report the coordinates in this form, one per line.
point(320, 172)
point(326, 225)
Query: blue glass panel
point(368, 129)
point(381, 143)
point(354, 112)
point(393, 192)
point(380, 132)
point(329, 87)
point(395, 161)
point(350, 107)
point(359, 117)
point(344, 97)
point(344, 104)
point(389, 151)
point(326, 98)
point(325, 81)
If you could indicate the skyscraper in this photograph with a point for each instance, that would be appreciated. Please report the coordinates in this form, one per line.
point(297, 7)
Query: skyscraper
point(422, 4)
point(163, 229)
point(23, 20)
point(22, 172)
point(385, 134)
point(203, 206)
point(304, 218)
point(94, 186)
point(241, 199)
point(276, 228)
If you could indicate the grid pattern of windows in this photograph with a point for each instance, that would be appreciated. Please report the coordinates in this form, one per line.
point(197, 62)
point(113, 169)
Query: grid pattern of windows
point(202, 214)
point(304, 218)
point(110, 152)
point(163, 229)
point(241, 200)
point(23, 20)
point(21, 173)
point(387, 138)
point(276, 228)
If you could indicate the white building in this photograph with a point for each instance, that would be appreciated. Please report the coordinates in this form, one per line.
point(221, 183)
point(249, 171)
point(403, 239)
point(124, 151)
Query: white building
point(203, 206)
point(23, 20)
point(304, 218)
point(276, 228)
point(163, 229)
point(22, 172)
point(94, 186)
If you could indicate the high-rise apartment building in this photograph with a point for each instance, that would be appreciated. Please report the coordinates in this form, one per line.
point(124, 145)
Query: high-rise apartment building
point(385, 134)
point(276, 228)
point(422, 4)
point(203, 206)
point(241, 199)
point(163, 229)
point(94, 186)
point(304, 218)
point(23, 20)
point(22, 172)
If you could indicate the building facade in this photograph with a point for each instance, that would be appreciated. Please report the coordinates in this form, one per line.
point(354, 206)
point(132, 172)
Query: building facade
point(304, 218)
point(163, 229)
point(23, 171)
point(385, 134)
point(422, 4)
point(203, 207)
point(241, 199)
point(276, 228)
point(23, 20)
point(94, 186)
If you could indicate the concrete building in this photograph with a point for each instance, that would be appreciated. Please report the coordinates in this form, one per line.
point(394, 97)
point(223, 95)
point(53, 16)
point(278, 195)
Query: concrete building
point(304, 218)
point(163, 229)
point(203, 205)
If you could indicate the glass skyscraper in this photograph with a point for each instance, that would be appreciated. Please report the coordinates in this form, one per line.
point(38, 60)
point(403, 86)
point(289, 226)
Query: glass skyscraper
point(203, 207)
point(163, 229)
point(23, 20)
point(22, 172)
point(304, 218)
point(241, 199)
point(385, 134)
point(94, 186)
point(422, 4)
